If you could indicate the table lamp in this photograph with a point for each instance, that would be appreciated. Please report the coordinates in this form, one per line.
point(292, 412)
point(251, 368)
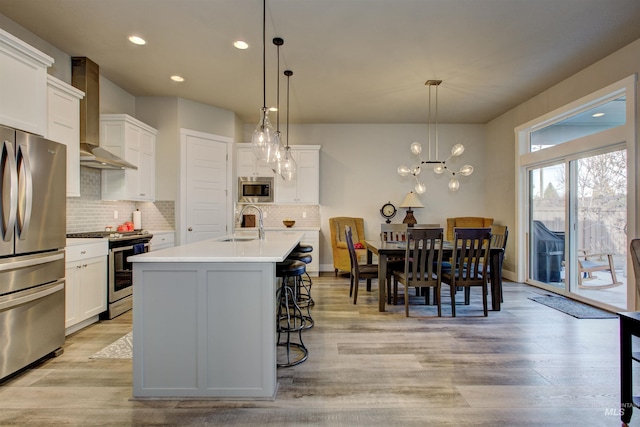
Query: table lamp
point(410, 201)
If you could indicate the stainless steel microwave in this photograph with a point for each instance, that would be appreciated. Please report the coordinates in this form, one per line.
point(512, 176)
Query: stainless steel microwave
point(255, 189)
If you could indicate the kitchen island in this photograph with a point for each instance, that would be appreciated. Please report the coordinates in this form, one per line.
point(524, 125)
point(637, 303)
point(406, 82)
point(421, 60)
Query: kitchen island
point(204, 318)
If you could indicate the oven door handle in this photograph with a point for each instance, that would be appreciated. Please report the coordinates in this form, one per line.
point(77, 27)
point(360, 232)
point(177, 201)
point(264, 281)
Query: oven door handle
point(126, 248)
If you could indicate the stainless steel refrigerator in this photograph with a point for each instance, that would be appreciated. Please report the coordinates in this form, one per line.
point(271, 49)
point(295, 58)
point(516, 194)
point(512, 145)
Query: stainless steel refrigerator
point(32, 240)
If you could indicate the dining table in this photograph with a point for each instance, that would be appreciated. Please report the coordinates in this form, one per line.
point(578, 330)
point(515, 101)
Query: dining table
point(386, 250)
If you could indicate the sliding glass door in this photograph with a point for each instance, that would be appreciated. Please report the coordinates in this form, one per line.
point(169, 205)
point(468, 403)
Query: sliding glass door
point(548, 211)
point(587, 257)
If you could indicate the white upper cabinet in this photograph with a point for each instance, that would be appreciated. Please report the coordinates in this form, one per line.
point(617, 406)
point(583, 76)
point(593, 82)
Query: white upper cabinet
point(23, 85)
point(248, 165)
point(134, 142)
point(63, 126)
point(305, 188)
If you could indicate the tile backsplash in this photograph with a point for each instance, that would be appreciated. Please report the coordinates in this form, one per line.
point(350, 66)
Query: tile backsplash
point(276, 213)
point(90, 213)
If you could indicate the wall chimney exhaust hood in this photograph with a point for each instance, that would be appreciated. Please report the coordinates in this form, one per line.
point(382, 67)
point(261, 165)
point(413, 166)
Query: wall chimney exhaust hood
point(85, 76)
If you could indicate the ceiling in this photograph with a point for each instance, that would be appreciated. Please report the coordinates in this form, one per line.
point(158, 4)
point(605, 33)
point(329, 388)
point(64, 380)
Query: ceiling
point(354, 61)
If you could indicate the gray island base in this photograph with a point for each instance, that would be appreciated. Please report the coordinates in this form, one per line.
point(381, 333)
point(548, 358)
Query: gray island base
point(204, 319)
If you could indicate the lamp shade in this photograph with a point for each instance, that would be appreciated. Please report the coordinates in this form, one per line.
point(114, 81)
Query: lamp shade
point(411, 201)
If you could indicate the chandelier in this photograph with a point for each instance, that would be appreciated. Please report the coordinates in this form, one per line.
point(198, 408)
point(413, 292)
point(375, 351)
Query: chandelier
point(439, 166)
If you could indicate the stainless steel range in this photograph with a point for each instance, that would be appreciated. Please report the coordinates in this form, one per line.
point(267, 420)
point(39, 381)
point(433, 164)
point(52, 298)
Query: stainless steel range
point(120, 272)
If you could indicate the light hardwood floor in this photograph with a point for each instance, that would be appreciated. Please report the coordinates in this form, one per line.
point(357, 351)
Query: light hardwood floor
point(527, 365)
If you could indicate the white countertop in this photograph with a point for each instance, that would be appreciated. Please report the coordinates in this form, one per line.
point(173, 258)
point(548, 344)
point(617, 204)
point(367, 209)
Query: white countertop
point(274, 248)
point(294, 228)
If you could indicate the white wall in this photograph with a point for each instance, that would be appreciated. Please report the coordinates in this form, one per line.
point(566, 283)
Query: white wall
point(115, 100)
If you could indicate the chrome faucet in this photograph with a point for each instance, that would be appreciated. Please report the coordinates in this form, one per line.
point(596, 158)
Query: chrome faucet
point(260, 221)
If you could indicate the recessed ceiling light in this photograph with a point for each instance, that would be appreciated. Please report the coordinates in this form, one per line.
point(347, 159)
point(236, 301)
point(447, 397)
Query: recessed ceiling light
point(239, 44)
point(137, 40)
point(597, 115)
point(177, 78)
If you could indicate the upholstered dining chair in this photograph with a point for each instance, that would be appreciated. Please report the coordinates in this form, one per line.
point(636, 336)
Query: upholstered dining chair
point(358, 271)
point(466, 222)
point(422, 265)
point(469, 269)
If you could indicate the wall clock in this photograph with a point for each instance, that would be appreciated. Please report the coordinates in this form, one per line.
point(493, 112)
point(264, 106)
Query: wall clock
point(388, 211)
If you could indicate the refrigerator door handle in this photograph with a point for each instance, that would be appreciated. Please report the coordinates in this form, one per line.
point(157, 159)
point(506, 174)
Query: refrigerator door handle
point(26, 188)
point(33, 294)
point(30, 261)
point(8, 156)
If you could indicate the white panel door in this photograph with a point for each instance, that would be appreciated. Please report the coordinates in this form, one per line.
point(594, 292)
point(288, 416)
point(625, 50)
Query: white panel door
point(206, 185)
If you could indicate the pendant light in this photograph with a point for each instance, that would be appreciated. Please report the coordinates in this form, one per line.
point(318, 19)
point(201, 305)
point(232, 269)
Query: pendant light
point(264, 139)
point(440, 166)
point(279, 149)
point(288, 164)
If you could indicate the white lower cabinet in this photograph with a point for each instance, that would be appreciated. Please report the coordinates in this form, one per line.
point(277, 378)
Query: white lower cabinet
point(86, 284)
point(162, 240)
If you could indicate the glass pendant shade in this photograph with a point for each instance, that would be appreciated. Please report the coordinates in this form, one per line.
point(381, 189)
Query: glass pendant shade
point(265, 140)
point(439, 168)
point(416, 148)
point(415, 170)
point(278, 155)
point(420, 188)
point(454, 184)
point(466, 170)
point(288, 167)
point(403, 170)
point(457, 150)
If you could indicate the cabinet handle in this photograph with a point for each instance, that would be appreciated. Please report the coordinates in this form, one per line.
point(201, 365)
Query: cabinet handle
point(83, 252)
point(84, 265)
point(78, 266)
point(190, 229)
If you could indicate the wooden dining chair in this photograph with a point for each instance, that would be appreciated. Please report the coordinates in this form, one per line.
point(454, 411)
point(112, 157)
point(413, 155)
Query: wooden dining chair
point(469, 268)
point(393, 232)
point(499, 236)
point(358, 271)
point(422, 265)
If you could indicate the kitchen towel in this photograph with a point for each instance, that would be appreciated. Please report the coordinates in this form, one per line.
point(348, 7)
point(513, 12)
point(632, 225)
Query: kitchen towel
point(137, 220)
point(138, 248)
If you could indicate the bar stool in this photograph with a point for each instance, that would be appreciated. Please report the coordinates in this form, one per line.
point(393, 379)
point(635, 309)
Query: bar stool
point(295, 254)
point(304, 287)
point(290, 320)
